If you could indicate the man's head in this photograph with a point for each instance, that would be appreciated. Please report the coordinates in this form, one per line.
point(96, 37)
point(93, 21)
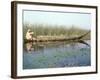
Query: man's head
point(29, 30)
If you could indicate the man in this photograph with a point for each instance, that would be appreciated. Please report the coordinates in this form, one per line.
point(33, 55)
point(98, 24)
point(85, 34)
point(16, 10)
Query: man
point(29, 35)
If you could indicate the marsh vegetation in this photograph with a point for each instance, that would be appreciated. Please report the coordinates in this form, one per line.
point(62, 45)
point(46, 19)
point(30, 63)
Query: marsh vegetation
point(57, 31)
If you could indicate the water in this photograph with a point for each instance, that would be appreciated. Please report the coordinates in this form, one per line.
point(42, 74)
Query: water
point(56, 55)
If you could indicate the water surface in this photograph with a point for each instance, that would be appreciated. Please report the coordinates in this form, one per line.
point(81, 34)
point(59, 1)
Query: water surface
point(56, 55)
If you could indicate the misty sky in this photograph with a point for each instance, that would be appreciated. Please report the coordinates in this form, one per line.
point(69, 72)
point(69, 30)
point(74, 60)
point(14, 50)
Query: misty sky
point(82, 20)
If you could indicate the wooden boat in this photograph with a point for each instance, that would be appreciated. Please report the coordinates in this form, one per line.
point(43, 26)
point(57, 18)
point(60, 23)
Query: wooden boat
point(79, 38)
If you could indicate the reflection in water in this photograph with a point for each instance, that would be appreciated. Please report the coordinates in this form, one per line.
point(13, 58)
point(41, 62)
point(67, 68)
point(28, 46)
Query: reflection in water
point(56, 54)
point(29, 47)
point(35, 46)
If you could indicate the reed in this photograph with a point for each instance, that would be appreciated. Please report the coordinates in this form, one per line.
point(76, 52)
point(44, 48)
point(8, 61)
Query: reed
point(55, 30)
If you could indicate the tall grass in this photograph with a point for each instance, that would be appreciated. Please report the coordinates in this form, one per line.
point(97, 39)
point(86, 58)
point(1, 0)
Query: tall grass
point(54, 30)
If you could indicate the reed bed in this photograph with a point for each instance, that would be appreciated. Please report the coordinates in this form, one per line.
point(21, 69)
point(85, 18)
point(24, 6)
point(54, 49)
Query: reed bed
point(44, 31)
